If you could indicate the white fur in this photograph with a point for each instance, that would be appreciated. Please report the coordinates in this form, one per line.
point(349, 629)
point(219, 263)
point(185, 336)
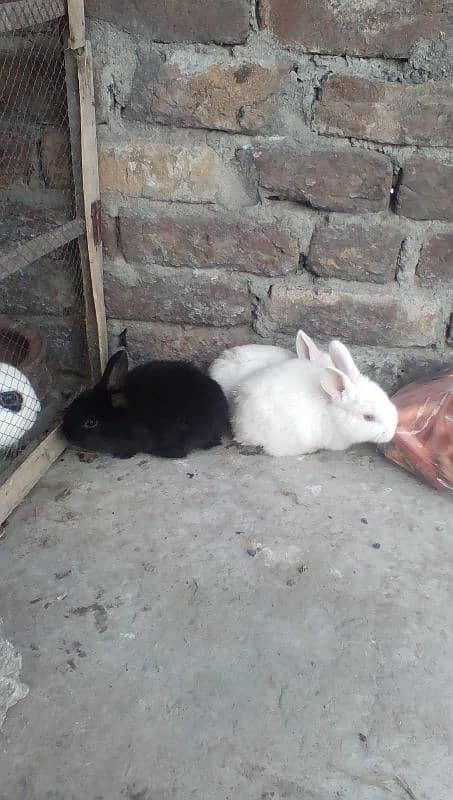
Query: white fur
point(236, 364)
point(299, 407)
point(307, 350)
point(13, 425)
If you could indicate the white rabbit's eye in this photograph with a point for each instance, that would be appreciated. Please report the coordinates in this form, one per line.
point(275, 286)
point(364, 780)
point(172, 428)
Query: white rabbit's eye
point(11, 400)
point(369, 417)
point(90, 423)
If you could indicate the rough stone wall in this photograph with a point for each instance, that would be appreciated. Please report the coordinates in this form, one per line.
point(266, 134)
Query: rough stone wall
point(278, 164)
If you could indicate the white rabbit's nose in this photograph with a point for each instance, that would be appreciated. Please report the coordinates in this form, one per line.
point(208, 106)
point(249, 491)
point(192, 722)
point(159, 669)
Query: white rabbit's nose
point(388, 434)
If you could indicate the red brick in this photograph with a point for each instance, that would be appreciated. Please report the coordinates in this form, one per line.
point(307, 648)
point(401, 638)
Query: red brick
point(204, 240)
point(33, 83)
point(354, 313)
point(334, 180)
point(389, 112)
point(179, 296)
point(426, 189)
point(160, 171)
point(220, 95)
point(355, 28)
point(436, 260)
point(55, 158)
point(147, 340)
point(177, 20)
point(355, 252)
point(16, 159)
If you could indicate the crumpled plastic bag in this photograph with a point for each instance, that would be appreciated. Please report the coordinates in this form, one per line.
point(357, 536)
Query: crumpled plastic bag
point(11, 687)
point(423, 443)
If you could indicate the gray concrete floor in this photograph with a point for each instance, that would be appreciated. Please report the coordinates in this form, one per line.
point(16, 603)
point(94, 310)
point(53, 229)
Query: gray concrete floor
point(228, 627)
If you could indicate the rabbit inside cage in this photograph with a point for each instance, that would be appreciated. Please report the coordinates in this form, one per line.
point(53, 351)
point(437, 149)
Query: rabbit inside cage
point(19, 403)
point(42, 337)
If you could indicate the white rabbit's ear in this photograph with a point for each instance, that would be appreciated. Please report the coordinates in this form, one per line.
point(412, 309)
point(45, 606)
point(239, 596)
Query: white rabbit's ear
point(334, 383)
point(306, 348)
point(343, 361)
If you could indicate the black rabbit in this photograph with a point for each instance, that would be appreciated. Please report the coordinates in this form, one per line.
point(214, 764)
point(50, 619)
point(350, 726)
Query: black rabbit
point(165, 408)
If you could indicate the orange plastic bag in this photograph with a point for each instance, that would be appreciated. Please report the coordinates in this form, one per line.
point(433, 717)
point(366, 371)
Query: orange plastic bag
point(423, 443)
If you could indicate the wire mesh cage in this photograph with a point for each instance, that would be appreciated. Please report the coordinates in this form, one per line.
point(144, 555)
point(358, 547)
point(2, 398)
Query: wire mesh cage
point(46, 271)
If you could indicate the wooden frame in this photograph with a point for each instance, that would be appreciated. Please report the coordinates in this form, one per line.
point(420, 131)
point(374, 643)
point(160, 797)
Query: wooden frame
point(88, 200)
point(17, 15)
point(17, 486)
point(41, 245)
point(85, 228)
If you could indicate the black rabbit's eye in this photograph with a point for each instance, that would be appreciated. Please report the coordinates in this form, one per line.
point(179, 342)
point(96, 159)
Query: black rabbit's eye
point(90, 423)
point(11, 400)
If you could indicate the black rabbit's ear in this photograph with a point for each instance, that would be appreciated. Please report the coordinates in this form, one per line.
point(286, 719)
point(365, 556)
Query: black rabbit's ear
point(115, 371)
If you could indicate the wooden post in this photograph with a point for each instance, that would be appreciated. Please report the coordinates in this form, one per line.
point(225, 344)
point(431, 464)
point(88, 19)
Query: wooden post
point(23, 479)
point(85, 163)
point(91, 193)
point(76, 15)
point(91, 328)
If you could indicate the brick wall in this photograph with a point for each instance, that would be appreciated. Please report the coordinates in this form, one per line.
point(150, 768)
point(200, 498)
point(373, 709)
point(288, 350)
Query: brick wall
point(274, 165)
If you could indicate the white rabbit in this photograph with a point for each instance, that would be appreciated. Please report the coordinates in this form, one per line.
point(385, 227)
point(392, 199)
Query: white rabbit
point(236, 364)
point(19, 406)
point(299, 407)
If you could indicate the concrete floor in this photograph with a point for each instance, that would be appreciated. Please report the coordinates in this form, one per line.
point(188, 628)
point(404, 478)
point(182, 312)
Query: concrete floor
point(230, 627)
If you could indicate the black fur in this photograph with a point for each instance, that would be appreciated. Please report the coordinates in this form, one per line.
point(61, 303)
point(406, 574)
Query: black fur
point(165, 408)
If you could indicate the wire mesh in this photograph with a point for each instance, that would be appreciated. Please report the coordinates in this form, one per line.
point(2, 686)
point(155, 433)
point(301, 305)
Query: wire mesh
point(43, 358)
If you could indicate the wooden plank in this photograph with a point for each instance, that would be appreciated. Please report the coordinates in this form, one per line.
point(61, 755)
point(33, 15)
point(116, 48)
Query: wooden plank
point(29, 13)
point(82, 123)
point(91, 193)
point(27, 253)
point(72, 92)
point(91, 325)
point(76, 18)
point(24, 478)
